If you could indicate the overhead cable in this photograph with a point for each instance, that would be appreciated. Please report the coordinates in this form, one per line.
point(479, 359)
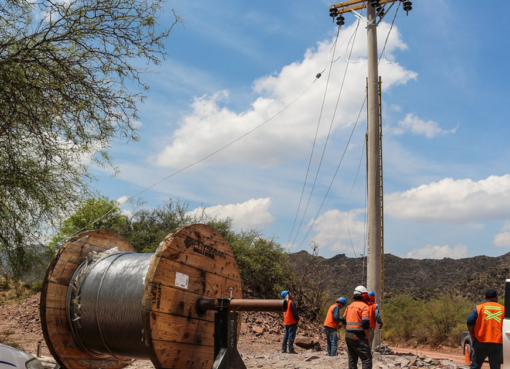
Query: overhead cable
point(327, 139)
point(204, 158)
point(334, 176)
point(363, 104)
point(315, 138)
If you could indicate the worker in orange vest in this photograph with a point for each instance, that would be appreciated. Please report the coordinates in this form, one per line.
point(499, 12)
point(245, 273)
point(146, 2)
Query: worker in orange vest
point(485, 324)
point(375, 317)
point(357, 324)
point(331, 325)
point(290, 319)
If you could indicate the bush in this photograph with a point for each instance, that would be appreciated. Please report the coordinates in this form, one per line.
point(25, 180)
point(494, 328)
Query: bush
point(312, 283)
point(263, 264)
point(445, 319)
point(435, 322)
point(403, 318)
point(36, 286)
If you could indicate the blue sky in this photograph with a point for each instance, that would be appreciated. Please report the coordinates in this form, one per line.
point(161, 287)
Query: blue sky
point(233, 65)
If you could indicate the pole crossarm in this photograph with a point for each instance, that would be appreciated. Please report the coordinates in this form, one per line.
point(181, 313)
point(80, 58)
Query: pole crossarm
point(353, 5)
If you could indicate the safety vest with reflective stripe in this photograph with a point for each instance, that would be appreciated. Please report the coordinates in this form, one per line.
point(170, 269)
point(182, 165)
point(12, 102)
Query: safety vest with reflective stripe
point(355, 314)
point(371, 310)
point(288, 317)
point(330, 322)
point(489, 324)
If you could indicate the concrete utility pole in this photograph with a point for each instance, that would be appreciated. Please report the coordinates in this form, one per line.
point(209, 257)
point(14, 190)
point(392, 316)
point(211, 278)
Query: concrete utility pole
point(374, 8)
point(374, 276)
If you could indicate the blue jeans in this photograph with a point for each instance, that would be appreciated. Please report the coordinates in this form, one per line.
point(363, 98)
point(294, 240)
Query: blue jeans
point(480, 352)
point(289, 336)
point(332, 339)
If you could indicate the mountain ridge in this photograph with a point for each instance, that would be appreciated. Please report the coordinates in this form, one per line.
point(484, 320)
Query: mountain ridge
point(422, 278)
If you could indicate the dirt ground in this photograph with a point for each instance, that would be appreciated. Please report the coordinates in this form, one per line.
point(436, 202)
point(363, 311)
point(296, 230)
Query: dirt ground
point(259, 343)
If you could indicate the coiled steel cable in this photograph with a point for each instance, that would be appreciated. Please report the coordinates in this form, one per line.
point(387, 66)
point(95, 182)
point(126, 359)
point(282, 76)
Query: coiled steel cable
point(104, 305)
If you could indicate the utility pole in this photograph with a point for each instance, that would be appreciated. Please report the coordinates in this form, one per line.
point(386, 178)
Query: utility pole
point(374, 275)
point(375, 8)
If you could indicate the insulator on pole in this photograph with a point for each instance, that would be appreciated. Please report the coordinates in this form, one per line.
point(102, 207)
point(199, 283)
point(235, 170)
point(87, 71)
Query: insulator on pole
point(340, 20)
point(379, 11)
point(333, 12)
point(408, 6)
point(374, 3)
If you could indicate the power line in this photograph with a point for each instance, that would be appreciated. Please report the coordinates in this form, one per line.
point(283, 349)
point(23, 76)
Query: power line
point(334, 175)
point(320, 208)
point(204, 158)
point(315, 138)
point(327, 138)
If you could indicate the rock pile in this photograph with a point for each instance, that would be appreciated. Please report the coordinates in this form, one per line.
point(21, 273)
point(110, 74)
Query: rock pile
point(411, 362)
point(270, 325)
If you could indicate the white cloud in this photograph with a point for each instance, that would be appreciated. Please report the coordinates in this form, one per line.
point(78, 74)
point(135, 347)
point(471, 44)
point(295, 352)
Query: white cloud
point(342, 232)
point(253, 213)
point(211, 124)
point(121, 200)
point(502, 239)
point(460, 201)
point(411, 123)
point(439, 252)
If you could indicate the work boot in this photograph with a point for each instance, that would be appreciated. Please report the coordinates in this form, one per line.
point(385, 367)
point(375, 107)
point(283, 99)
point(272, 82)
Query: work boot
point(284, 351)
point(292, 352)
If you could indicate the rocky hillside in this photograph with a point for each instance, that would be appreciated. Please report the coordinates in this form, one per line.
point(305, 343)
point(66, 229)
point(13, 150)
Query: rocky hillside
point(423, 279)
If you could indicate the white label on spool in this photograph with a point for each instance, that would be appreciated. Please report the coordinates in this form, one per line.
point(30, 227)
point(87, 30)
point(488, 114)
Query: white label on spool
point(181, 280)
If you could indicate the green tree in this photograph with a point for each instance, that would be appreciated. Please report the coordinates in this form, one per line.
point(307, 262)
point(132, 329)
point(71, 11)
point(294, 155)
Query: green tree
point(263, 264)
point(94, 213)
point(64, 96)
point(146, 228)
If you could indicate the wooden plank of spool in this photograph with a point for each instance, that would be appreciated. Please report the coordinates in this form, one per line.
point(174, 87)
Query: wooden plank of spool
point(54, 292)
point(193, 262)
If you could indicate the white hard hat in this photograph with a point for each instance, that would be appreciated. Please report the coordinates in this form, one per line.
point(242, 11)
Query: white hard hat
point(360, 290)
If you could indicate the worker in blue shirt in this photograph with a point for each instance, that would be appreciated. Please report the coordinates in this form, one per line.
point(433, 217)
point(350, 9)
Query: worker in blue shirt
point(290, 319)
point(331, 325)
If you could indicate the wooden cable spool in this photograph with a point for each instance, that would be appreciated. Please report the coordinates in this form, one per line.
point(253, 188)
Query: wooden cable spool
point(193, 263)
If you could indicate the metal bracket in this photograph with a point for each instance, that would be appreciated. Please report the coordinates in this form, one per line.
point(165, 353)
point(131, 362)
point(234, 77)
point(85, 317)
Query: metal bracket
point(225, 341)
point(359, 16)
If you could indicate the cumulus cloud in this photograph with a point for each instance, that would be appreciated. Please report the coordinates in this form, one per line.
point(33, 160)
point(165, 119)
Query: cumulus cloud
point(439, 252)
point(462, 201)
point(502, 239)
point(210, 124)
point(253, 213)
point(411, 123)
point(343, 232)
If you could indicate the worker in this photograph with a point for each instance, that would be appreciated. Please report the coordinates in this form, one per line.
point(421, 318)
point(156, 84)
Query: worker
point(375, 317)
point(357, 324)
point(290, 319)
point(331, 325)
point(485, 324)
